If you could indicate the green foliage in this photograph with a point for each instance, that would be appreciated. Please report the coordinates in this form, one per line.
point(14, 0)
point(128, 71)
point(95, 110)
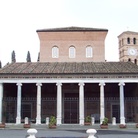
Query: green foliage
point(105, 121)
point(88, 119)
point(52, 121)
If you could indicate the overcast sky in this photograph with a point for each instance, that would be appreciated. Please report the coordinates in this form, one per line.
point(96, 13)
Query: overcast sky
point(19, 20)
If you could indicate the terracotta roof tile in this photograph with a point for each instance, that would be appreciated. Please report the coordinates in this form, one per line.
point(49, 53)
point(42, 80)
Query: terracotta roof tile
point(69, 68)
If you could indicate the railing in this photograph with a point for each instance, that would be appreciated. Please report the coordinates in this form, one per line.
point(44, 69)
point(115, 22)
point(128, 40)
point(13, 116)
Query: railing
point(48, 106)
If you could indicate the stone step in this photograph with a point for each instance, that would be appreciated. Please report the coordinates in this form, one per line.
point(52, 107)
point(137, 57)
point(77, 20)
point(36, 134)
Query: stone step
point(69, 126)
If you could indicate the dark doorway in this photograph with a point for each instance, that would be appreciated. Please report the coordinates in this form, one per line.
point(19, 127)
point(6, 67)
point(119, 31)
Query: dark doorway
point(116, 112)
point(26, 111)
point(71, 108)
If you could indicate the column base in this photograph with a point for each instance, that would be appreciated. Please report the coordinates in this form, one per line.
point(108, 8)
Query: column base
point(38, 121)
point(18, 120)
point(59, 121)
point(122, 120)
point(101, 120)
point(81, 121)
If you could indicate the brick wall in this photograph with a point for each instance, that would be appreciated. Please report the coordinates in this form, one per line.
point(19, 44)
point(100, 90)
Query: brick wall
point(80, 40)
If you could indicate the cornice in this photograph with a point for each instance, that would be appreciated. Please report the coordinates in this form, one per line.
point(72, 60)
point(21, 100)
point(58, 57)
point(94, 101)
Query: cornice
point(52, 76)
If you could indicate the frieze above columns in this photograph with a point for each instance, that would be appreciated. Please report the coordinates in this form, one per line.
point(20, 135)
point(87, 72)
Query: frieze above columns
point(90, 76)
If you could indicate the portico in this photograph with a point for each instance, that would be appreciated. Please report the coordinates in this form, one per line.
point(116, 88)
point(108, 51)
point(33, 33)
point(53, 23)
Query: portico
point(71, 80)
point(80, 86)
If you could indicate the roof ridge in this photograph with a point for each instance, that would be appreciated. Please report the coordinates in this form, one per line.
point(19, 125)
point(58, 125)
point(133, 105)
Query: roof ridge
point(71, 28)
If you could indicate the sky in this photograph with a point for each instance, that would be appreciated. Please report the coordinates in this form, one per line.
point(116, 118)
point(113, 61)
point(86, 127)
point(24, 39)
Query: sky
point(19, 20)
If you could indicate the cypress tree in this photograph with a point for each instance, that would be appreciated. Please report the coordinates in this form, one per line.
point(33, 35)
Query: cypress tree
point(38, 59)
point(28, 59)
point(13, 57)
point(0, 65)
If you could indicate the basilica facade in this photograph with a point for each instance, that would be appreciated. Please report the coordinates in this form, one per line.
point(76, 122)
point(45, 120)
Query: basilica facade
point(72, 80)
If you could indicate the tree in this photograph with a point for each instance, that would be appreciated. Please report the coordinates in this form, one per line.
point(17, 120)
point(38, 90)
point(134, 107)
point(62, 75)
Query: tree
point(0, 65)
point(28, 59)
point(13, 58)
point(38, 59)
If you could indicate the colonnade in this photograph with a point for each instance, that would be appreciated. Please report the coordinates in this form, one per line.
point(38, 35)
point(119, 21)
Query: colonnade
point(59, 103)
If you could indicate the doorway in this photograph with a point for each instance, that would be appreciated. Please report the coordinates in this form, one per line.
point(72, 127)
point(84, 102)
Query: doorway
point(71, 108)
point(26, 111)
point(116, 112)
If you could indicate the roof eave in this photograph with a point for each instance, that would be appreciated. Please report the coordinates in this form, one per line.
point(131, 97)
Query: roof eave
point(72, 29)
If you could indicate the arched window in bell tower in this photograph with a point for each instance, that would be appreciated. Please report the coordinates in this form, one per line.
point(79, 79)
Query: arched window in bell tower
point(135, 61)
point(128, 40)
point(134, 41)
point(129, 59)
point(122, 42)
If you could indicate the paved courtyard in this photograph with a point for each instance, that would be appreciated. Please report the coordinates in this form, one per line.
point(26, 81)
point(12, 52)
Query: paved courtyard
point(45, 133)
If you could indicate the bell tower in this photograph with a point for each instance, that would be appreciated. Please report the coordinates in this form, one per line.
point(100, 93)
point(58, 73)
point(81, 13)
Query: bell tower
point(128, 47)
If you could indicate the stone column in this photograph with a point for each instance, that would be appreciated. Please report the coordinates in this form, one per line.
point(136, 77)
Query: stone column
point(38, 104)
point(18, 118)
point(102, 108)
point(122, 114)
point(1, 98)
point(59, 103)
point(81, 103)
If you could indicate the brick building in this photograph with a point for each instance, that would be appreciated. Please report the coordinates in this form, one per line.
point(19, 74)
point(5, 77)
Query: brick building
point(71, 81)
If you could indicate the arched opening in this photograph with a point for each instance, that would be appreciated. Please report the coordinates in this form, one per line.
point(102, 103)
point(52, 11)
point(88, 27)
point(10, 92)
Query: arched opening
point(89, 52)
point(72, 52)
point(55, 52)
point(129, 59)
point(135, 61)
point(128, 40)
point(134, 41)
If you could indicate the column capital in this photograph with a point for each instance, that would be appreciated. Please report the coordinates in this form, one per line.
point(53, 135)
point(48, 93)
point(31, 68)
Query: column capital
point(38, 84)
point(81, 84)
point(101, 84)
point(121, 84)
point(19, 84)
point(59, 84)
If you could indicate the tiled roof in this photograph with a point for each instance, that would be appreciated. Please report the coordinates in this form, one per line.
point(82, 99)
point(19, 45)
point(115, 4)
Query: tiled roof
point(128, 32)
point(68, 29)
point(70, 68)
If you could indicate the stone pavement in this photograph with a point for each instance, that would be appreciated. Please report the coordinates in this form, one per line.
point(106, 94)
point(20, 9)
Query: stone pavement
point(68, 131)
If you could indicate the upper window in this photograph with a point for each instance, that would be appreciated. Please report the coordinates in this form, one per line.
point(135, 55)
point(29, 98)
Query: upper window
point(72, 52)
point(122, 42)
point(55, 52)
point(88, 52)
point(135, 61)
point(129, 59)
point(128, 40)
point(134, 41)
